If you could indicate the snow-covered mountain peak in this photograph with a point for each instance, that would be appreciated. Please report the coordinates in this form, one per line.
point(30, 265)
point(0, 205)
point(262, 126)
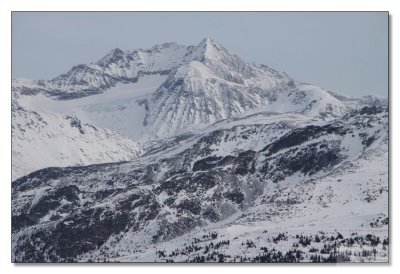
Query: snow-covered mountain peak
point(202, 85)
point(193, 70)
point(75, 71)
point(214, 55)
point(170, 45)
point(113, 56)
point(209, 46)
point(208, 41)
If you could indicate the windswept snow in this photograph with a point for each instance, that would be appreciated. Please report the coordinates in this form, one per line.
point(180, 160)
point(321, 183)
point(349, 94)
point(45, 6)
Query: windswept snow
point(119, 108)
point(111, 120)
point(45, 139)
point(194, 155)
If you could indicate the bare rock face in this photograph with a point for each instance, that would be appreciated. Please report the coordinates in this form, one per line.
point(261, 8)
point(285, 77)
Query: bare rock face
point(205, 84)
point(166, 196)
point(225, 144)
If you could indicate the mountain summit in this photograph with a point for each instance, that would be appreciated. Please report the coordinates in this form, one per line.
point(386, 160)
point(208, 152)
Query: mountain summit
point(167, 90)
point(191, 154)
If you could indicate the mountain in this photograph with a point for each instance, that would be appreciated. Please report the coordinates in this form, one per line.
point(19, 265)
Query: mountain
point(288, 166)
point(115, 67)
point(190, 154)
point(44, 139)
point(203, 84)
point(154, 94)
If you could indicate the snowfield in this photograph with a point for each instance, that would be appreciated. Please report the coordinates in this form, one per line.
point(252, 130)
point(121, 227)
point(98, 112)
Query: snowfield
point(44, 139)
point(190, 154)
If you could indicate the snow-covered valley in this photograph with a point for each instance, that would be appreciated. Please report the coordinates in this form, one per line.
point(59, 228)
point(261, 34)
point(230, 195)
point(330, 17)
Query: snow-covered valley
point(118, 108)
point(190, 154)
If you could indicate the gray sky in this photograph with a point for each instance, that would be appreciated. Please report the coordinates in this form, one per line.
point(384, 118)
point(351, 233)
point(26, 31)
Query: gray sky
point(343, 52)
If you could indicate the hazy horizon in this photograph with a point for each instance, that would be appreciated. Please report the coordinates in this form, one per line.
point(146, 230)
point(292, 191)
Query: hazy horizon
point(346, 52)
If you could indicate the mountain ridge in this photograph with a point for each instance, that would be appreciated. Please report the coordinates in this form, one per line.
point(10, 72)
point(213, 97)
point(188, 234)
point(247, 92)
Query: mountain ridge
point(196, 183)
point(190, 154)
point(203, 84)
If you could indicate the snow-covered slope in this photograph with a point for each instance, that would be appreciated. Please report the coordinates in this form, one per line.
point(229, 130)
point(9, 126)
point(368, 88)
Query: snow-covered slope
point(215, 85)
point(44, 139)
point(120, 108)
point(116, 67)
point(202, 84)
point(265, 170)
point(338, 217)
point(214, 159)
point(113, 120)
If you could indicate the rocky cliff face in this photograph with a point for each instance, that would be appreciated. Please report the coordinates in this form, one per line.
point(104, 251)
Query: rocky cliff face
point(193, 182)
point(189, 153)
point(205, 84)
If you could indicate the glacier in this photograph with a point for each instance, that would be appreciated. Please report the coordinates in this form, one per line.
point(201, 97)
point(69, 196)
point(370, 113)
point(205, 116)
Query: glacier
point(190, 154)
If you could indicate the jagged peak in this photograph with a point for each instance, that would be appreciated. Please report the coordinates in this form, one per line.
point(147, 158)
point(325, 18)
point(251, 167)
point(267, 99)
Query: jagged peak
point(207, 49)
point(109, 57)
point(80, 66)
point(208, 45)
point(209, 42)
point(165, 45)
point(81, 69)
point(193, 69)
point(73, 70)
point(117, 51)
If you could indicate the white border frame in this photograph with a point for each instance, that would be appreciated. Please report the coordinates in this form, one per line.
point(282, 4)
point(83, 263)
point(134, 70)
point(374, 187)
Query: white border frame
point(6, 6)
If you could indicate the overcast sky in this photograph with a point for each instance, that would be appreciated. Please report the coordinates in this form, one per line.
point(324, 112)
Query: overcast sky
point(343, 52)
